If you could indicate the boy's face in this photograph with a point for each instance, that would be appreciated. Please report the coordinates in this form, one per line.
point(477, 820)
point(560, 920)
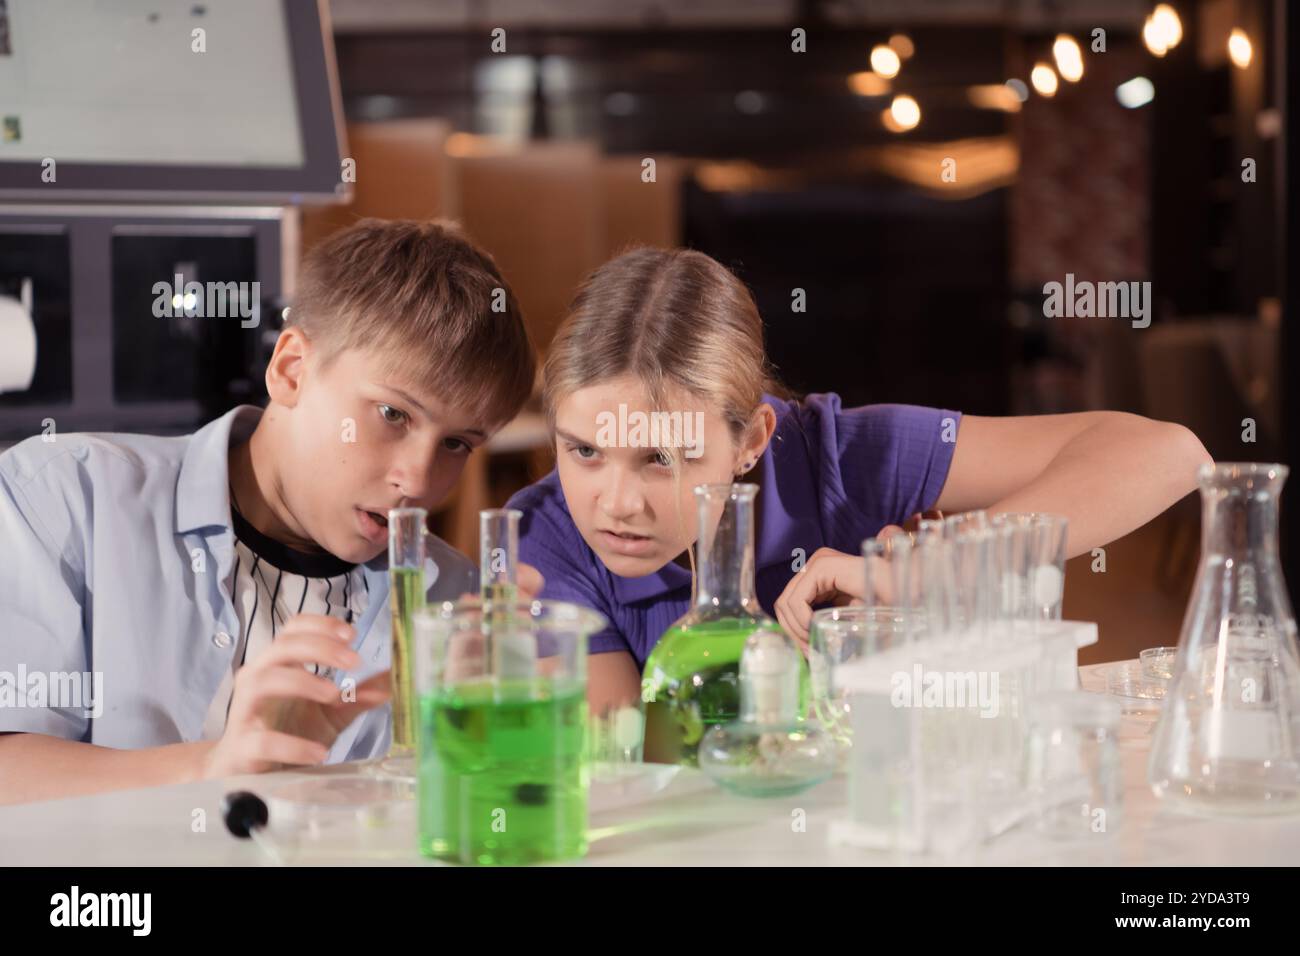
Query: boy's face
point(626, 501)
point(358, 443)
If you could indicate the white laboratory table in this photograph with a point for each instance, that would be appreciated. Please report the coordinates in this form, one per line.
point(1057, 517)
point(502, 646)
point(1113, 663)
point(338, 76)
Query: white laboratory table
point(660, 816)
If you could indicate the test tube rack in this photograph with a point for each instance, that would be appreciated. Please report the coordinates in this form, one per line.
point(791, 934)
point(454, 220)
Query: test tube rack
point(939, 731)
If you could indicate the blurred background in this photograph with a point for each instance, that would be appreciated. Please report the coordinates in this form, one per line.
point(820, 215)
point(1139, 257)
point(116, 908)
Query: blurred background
point(918, 168)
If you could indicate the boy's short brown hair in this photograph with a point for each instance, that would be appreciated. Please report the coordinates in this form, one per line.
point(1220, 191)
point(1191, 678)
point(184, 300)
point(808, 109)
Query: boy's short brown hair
point(430, 302)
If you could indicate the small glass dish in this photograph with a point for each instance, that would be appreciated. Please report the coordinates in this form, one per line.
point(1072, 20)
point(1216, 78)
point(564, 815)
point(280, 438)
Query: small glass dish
point(1158, 662)
point(1137, 692)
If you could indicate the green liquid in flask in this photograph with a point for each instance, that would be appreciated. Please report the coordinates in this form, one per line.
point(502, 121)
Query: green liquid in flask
point(691, 680)
point(691, 683)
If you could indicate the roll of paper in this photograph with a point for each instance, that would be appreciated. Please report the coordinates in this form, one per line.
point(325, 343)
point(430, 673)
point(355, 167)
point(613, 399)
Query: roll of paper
point(17, 346)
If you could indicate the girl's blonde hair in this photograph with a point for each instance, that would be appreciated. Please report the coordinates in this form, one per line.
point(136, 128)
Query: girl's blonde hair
point(671, 318)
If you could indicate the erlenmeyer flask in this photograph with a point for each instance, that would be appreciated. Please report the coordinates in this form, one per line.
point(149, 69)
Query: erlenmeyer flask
point(691, 680)
point(1226, 741)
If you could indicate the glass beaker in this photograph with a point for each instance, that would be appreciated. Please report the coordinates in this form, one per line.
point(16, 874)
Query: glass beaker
point(1226, 739)
point(503, 772)
point(1158, 662)
point(691, 680)
point(837, 637)
point(1072, 765)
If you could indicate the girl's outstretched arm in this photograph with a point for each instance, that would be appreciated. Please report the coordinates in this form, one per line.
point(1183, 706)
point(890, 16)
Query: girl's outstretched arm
point(1107, 472)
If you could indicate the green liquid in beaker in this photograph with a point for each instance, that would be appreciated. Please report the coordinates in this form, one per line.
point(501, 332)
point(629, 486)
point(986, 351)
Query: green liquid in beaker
point(502, 776)
point(407, 597)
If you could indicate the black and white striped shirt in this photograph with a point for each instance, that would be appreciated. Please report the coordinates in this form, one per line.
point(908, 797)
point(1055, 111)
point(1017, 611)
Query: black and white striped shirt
point(273, 583)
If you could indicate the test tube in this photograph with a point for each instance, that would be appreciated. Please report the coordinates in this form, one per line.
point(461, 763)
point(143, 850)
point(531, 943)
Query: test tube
point(975, 584)
point(1033, 564)
point(967, 521)
point(934, 583)
point(875, 593)
point(1013, 566)
point(511, 651)
point(890, 580)
point(1047, 551)
point(498, 546)
point(968, 533)
point(406, 555)
point(904, 580)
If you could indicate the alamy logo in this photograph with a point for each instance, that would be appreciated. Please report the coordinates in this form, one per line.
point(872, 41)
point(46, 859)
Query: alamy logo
point(64, 690)
point(103, 909)
point(212, 300)
point(951, 689)
point(651, 430)
point(1104, 300)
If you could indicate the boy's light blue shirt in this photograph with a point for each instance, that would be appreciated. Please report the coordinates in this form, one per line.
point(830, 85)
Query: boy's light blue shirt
point(116, 553)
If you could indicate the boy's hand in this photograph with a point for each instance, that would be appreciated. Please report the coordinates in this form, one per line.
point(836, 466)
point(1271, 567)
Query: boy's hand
point(281, 713)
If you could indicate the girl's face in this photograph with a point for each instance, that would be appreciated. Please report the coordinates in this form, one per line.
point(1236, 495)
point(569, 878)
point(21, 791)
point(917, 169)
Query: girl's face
point(625, 499)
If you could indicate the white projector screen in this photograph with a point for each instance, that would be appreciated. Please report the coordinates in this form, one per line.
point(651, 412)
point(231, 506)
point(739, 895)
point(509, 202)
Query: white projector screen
point(195, 96)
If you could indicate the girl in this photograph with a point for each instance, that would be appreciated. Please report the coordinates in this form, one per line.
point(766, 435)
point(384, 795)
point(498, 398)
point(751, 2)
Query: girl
point(673, 330)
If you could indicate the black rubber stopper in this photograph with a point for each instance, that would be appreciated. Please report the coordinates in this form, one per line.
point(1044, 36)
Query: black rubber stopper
point(532, 794)
point(244, 812)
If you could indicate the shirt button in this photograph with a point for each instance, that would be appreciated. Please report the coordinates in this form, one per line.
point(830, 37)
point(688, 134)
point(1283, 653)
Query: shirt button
point(221, 639)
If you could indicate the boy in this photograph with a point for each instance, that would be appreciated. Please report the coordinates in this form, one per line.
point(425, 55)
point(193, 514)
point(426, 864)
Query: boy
point(209, 594)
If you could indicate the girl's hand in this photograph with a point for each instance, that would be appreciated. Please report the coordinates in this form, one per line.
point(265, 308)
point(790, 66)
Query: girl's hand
point(829, 577)
point(530, 582)
point(527, 578)
point(465, 651)
point(832, 577)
